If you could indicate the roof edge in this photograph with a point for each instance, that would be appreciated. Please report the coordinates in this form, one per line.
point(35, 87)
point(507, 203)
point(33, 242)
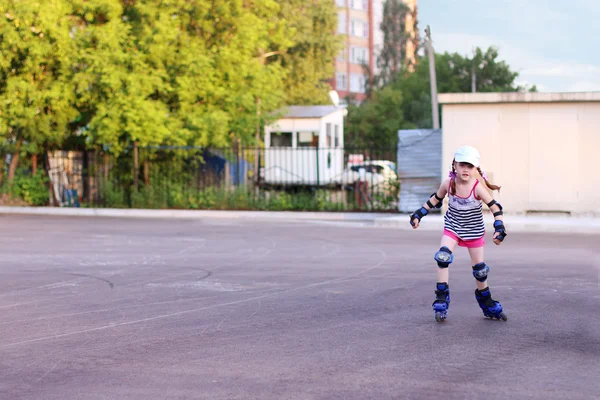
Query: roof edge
point(307, 112)
point(517, 97)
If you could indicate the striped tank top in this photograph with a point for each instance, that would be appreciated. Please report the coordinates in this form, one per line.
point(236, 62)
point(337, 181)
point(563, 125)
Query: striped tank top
point(464, 217)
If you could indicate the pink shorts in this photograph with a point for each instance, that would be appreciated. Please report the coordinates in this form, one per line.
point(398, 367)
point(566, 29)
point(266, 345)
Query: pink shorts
point(466, 243)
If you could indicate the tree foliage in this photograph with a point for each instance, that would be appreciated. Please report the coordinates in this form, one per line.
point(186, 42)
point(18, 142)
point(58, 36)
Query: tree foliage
point(413, 96)
point(110, 73)
point(392, 57)
point(311, 60)
point(36, 91)
point(374, 124)
point(178, 73)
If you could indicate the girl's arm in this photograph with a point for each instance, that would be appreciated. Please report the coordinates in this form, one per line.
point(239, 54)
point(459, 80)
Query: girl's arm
point(496, 209)
point(434, 201)
point(487, 198)
point(443, 190)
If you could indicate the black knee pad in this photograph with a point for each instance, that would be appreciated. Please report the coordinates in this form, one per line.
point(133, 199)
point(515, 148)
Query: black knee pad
point(444, 257)
point(481, 271)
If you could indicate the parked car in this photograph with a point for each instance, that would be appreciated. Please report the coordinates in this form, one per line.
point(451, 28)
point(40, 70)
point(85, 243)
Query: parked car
point(379, 174)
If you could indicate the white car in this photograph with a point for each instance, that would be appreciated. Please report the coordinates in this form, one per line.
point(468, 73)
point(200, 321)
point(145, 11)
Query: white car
point(380, 173)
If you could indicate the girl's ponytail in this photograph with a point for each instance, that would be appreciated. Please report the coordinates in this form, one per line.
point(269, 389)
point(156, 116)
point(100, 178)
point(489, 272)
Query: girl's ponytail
point(490, 185)
point(453, 179)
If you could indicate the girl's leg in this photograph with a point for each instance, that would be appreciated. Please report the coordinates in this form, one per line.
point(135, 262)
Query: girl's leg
point(491, 308)
point(442, 289)
point(450, 243)
point(476, 254)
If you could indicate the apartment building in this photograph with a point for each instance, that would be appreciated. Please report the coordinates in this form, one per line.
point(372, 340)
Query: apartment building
point(359, 21)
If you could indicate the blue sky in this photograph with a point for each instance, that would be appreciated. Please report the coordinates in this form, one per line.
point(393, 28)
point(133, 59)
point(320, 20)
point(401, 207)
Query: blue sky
point(554, 44)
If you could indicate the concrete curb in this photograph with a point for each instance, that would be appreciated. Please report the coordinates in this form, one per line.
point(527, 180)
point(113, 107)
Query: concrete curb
point(433, 222)
point(191, 214)
point(513, 223)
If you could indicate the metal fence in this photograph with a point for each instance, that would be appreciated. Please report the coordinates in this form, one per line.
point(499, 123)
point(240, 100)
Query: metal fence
point(276, 178)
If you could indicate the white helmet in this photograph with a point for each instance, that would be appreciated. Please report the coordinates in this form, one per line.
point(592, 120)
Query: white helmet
point(467, 154)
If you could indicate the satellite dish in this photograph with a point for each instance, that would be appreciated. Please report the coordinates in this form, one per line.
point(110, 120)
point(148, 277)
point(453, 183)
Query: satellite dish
point(335, 98)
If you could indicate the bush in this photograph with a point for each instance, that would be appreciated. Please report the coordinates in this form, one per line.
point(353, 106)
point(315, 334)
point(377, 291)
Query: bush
point(178, 195)
point(114, 196)
point(33, 189)
point(149, 197)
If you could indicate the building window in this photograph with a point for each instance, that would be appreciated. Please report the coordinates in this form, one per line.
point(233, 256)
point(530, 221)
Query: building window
point(357, 83)
point(341, 81)
point(359, 28)
point(359, 4)
point(342, 55)
point(341, 3)
point(308, 139)
point(342, 23)
point(337, 136)
point(281, 139)
point(359, 55)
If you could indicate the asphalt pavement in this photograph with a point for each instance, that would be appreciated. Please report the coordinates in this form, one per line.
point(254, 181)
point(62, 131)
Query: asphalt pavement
point(222, 308)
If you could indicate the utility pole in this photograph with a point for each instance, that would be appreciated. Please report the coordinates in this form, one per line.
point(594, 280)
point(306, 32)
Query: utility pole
point(433, 80)
point(473, 77)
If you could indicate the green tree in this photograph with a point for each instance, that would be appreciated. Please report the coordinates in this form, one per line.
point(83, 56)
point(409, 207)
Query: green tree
point(375, 123)
point(114, 82)
point(310, 61)
point(176, 72)
point(492, 75)
point(392, 58)
point(36, 90)
point(368, 124)
point(453, 73)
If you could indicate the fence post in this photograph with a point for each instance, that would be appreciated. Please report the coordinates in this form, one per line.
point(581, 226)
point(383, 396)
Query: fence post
point(258, 157)
point(237, 167)
point(237, 162)
point(106, 166)
point(146, 171)
point(87, 192)
point(317, 153)
point(136, 165)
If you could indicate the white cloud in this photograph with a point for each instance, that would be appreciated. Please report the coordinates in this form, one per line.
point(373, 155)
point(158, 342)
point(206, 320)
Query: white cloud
point(584, 86)
point(565, 70)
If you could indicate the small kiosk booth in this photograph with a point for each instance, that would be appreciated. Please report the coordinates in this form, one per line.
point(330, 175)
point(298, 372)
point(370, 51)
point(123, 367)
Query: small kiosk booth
point(305, 146)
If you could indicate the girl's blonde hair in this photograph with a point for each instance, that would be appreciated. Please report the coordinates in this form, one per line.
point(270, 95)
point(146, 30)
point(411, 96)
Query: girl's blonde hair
point(489, 184)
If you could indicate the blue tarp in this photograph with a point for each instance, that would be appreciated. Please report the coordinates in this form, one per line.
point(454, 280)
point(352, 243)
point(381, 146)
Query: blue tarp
point(218, 163)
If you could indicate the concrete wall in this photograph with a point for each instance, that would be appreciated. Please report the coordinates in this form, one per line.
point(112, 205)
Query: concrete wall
point(541, 150)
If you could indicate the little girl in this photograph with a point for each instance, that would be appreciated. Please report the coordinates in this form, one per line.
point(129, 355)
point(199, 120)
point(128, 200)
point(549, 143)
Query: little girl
point(464, 226)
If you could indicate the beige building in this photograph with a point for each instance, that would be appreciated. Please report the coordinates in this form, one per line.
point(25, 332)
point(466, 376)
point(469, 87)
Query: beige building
point(359, 22)
point(542, 148)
